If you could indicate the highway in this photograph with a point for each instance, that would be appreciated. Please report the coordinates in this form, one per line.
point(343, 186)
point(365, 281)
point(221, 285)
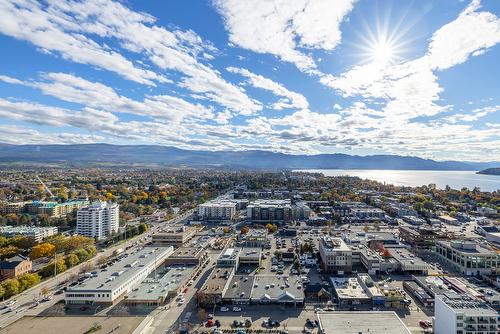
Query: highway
point(25, 300)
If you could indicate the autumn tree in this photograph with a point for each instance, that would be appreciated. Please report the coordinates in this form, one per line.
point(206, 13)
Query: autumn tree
point(71, 260)
point(244, 229)
point(42, 250)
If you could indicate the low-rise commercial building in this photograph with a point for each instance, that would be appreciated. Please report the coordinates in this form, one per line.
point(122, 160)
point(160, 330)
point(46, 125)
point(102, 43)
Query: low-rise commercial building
point(188, 256)
point(215, 287)
point(118, 279)
point(361, 322)
point(468, 257)
point(229, 258)
point(284, 290)
point(176, 236)
point(336, 256)
point(462, 314)
point(250, 256)
point(254, 238)
point(37, 234)
point(239, 290)
point(161, 286)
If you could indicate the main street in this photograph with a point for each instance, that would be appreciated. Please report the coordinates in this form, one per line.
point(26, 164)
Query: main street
point(25, 300)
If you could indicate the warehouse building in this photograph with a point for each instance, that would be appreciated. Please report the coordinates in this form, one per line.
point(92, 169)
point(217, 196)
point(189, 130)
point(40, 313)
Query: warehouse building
point(119, 279)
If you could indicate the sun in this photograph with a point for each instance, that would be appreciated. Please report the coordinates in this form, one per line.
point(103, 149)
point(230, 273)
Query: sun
point(383, 52)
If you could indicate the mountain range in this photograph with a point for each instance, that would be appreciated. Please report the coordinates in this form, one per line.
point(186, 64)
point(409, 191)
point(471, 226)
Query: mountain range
point(147, 155)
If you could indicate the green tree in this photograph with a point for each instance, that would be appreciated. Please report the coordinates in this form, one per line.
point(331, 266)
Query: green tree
point(28, 280)
point(142, 228)
point(11, 287)
point(48, 270)
point(71, 260)
point(82, 254)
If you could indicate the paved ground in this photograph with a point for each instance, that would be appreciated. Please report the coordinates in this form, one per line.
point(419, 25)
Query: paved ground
point(72, 325)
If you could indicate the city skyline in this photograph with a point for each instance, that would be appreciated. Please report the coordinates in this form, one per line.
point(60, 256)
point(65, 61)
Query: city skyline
point(360, 77)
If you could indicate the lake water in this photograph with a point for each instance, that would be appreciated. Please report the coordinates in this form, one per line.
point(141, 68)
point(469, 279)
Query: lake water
point(413, 178)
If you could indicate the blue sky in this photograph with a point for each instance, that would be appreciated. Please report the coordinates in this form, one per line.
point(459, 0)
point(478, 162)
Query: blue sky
point(360, 77)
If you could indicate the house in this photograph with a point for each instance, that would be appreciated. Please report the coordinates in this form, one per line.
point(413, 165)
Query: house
point(15, 266)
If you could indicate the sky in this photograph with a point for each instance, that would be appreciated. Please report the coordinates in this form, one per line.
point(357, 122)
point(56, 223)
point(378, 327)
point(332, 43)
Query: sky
point(419, 78)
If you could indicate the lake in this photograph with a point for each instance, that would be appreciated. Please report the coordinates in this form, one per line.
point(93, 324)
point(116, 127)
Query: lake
point(413, 178)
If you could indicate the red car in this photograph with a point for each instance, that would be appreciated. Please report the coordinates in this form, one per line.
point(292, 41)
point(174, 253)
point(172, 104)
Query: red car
point(425, 323)
point(210, 323)
point(185, 290)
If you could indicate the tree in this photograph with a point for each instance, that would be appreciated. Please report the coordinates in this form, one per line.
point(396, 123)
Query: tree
point(42, 250)
point(45, 291)
point(82, 254)
point(22, 242)
point(28, 280)
point(202, 315)
point(2, 292)
point(142, 228)
point(71, 260)
point(102, 260)
point(244, 229)
point(48, 270)
point(8, 251)
point(271, 228)
point(11, 287)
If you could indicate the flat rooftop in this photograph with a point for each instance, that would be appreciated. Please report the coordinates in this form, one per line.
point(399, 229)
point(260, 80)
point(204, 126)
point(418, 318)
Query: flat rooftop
point(217, 280)
point(348, 288)
point(275, 286)
point(166, 280)
point(404, 256)
point(467, 246)
point(186, 252)
point(240, 287)
point(334, 243)
point(122, 270)
point(362, 322)
point(250, 252)
point(467, 304)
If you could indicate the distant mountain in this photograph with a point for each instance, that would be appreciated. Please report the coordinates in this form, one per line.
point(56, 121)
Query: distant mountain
point(490, 171)
point(144, 155)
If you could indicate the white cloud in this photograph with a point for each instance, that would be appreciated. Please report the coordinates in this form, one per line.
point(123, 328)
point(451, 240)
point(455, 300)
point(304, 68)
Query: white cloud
point(290, 100)
point(472, 33)
point(74, 89)
point(31, 21)
point(67, 28)
point(22, 135)
point(284, 28)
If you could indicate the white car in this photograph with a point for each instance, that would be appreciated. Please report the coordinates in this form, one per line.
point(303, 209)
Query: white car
point(224, 309)
point(181, 302)
point(236, 309)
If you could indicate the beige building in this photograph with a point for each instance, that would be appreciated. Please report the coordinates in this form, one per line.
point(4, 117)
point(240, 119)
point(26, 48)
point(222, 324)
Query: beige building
point(336, 256)
point(174, 236)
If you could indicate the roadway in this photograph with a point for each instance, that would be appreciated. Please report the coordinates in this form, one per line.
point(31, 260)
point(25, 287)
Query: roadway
point(26, 299)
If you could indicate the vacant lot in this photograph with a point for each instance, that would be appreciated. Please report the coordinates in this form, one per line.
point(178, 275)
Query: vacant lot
point(73, 325)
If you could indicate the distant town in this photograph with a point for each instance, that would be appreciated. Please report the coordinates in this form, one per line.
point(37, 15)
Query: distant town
point(177, 250)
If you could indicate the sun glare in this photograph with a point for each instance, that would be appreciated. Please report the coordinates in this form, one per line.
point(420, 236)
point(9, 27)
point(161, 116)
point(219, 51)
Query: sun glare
point(383, 52)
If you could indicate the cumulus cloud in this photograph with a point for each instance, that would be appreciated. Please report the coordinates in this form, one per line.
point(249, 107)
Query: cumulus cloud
point(286, 29)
